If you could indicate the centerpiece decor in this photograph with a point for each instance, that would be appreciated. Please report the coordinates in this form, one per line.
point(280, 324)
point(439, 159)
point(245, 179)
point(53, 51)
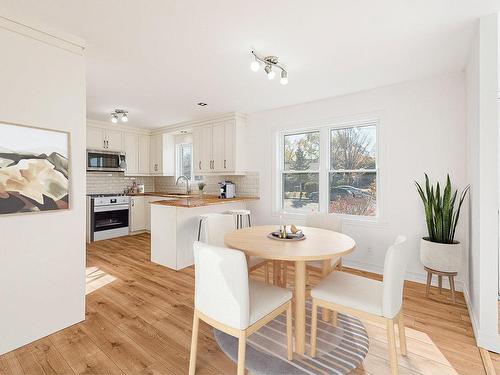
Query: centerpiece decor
point(282, 234)
point(440, 251)
point(201, 186)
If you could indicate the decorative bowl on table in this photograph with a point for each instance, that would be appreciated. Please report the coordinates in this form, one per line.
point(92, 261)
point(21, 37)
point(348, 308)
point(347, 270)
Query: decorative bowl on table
point(284, 235)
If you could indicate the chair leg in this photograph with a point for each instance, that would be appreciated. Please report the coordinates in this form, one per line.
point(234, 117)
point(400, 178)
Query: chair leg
point(452, 287)
point(402, 334)
point(314, 327)
point(199, 229)
point(266, 272)
point(391, 339)
point(428, 286)
point(289, 337)
point(326, 268)
point(194, 344)
point(440, 284)
point(249, 222)
point(242, 344)
point(334, 318)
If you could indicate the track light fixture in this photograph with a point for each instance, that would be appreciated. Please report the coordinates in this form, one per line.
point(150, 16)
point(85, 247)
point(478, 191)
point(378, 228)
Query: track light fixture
point(269, 62)
point(119, 114)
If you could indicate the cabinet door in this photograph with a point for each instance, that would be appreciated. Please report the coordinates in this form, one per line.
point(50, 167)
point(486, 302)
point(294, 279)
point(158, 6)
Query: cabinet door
point(114, 140)
point(218, 147)
point(132, 153)
point(143, 167)
point(197, 151)
point(229, 142)
point(138, 214)
point(95, 138)
point(206, 149)
point(155, 154)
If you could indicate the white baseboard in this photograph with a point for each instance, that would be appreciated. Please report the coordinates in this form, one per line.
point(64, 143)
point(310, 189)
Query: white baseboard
point(411, 276)
point(485, 340)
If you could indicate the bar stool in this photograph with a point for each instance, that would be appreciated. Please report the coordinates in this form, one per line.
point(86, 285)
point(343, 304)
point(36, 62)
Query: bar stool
point(239, 217)
point(202, 218)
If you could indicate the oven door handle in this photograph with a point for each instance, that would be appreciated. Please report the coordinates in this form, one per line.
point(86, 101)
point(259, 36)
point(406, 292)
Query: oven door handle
point(116, 207)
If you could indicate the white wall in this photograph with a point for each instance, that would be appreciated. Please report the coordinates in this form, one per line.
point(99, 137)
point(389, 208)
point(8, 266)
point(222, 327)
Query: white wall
point(481, 288)
point(422, 129)
point(42, 256)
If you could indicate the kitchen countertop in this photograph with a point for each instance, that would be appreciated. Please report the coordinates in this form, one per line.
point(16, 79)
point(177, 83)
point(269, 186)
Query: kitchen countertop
point(166, 195)
point(197, 201)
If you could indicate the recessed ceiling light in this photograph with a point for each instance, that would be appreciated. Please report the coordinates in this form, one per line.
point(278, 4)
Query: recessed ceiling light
point(201, 104)
point(184, 131)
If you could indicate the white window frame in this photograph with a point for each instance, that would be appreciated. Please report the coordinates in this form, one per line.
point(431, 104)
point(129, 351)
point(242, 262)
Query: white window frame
point(178, 160)
point(325, 168)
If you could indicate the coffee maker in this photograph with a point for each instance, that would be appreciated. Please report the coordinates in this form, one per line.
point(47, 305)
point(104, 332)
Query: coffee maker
point(227, 189)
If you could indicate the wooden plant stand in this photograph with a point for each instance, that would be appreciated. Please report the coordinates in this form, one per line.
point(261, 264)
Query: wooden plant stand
point(440, 275)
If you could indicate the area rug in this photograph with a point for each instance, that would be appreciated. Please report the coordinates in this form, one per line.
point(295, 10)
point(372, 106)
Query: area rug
point(340, 349)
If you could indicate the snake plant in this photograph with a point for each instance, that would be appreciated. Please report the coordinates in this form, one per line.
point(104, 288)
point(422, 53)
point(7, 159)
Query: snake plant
point(441, 215)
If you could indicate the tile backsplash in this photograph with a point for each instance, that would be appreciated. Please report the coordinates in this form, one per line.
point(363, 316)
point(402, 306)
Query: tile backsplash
point(246, 185)
point(105, 183)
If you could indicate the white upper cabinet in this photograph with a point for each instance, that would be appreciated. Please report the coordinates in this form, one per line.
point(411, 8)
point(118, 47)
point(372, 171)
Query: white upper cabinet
point(131, 141)
point(161, 154)
point(104, 139)
point(114, 140)
point(143, 154)
point(219, 147)
point(95, 138)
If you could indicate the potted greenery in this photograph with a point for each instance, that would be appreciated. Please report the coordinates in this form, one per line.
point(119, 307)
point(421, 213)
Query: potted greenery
point(439, 251)
point(201, 186)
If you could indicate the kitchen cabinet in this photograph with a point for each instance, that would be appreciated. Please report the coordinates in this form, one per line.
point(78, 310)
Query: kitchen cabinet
point(161, 154)
point(104, 139)
point(137, 214)
point(218, 148)
point(143, 154)
point(131, 142)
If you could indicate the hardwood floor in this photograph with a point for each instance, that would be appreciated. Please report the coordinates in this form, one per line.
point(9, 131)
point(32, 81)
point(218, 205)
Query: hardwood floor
point(139, 316)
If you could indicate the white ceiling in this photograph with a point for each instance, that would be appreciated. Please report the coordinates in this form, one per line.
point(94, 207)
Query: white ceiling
point(158, 58)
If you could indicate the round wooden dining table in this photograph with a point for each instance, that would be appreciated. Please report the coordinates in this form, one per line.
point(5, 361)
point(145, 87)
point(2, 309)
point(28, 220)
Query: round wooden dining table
point(319, 244)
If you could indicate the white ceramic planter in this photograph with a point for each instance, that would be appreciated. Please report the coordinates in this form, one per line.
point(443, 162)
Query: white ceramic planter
point(441, 256)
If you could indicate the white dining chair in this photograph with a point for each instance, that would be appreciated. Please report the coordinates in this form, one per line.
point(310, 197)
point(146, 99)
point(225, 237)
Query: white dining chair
point(368, 299)
point(217, 226)
point(229, 301)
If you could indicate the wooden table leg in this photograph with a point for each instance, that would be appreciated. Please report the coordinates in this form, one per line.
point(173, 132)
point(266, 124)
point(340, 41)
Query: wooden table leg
point(276, 272)
point(325, 270)
point(300, 307)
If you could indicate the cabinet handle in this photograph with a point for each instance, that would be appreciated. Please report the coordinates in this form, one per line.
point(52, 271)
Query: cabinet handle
point(224, 163)
point(199, 165)
point(132, 203)
point(107, 144)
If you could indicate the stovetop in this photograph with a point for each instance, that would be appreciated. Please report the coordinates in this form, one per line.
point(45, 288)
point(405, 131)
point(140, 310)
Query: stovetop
point(106, 195)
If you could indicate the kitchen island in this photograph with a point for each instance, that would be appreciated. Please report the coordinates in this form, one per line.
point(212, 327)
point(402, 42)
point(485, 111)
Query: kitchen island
point(174, 226)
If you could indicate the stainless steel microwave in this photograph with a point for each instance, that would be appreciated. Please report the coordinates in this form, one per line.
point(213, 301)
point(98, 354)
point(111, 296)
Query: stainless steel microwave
point(105, 161)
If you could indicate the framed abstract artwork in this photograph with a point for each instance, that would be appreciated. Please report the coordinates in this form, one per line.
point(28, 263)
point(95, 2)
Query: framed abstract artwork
point(33, 169)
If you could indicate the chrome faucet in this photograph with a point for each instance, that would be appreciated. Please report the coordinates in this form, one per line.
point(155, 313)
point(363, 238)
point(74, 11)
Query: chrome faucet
point(188, 190)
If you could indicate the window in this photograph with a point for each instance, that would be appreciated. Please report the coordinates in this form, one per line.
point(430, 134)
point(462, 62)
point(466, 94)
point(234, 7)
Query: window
point(352, 177)
point(300, 174)
point(331, 169)
point(184, 160)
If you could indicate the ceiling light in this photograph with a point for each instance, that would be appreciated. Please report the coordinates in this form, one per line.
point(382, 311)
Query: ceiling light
point(201, 104)
point(270, 62)
point(255, 66)
point(270, 73)
point(119, 114)
point(284, 77)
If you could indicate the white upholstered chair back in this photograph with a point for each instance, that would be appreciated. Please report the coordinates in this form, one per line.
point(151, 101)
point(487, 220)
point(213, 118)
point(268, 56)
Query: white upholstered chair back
point(324, 221)
point(396, 260)
point(216, 226)
point(221, 285)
